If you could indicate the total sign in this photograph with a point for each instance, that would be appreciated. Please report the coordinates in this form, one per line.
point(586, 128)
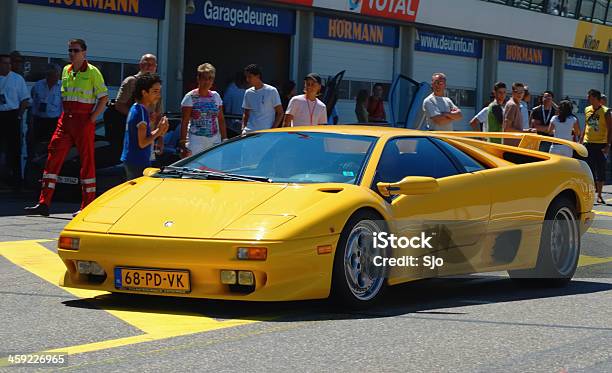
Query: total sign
point(397, 9)
point(405, 10)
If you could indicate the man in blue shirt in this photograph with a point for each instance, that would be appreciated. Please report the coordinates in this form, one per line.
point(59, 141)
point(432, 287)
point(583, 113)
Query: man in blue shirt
point(139, 136)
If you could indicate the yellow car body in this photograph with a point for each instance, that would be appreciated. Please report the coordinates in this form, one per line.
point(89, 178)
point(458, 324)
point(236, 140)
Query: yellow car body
point(197, 226)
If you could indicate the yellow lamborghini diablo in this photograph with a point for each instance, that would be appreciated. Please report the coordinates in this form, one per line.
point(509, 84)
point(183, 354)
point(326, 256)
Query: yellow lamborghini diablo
point(340, 211)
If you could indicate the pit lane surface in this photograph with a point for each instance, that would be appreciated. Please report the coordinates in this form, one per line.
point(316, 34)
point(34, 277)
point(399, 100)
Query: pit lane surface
point(483, 323)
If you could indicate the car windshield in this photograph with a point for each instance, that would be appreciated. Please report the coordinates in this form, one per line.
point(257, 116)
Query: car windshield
point(288, 157)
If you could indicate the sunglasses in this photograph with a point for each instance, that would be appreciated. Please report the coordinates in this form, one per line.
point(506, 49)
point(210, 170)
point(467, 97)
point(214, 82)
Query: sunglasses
point(74, 50)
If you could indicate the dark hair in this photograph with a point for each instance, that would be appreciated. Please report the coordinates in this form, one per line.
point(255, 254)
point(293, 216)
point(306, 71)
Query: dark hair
point(565, 110)
point(239, 78)
point(549, 92)
point(516, 85)
point(80, 42)
point(499, 85)
point(144, 82)
point(253, 69)
point(376, 85)
point(362, 96)
point(288, 87)
point(595, 93)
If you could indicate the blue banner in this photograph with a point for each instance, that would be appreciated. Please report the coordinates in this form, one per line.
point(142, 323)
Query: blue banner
point(585, 62)
point(136, 8)
point(342, 29)
point(242, 16)
point(448, 44)
point(525, 54)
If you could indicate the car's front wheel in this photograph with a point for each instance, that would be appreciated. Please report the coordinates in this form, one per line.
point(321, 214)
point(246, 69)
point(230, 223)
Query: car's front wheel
point(559, 247)
point(356, 282)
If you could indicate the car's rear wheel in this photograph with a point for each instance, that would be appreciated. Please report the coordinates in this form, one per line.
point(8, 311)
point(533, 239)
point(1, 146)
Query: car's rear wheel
point(356, 281)
point(559, 248)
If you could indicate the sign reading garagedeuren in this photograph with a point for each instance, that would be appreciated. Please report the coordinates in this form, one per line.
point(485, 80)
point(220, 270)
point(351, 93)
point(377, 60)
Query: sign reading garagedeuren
point(243, 16)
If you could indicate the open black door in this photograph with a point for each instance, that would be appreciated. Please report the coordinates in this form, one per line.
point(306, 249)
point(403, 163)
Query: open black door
point(331, 91)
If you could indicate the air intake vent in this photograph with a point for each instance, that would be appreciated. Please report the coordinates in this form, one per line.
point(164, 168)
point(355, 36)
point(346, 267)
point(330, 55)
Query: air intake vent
point(331, 190)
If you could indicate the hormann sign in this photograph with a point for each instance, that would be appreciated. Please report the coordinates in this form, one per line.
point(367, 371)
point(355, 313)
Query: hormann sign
point(585, 62)
point(342, 29)
point(448, 44)
point(137, 8)
point(242, 16)
point(597, 38)
point(404, 10)
point(525, 54)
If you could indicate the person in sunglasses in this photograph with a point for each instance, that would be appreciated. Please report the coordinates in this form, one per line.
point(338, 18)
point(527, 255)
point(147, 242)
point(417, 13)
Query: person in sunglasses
point(84, 97)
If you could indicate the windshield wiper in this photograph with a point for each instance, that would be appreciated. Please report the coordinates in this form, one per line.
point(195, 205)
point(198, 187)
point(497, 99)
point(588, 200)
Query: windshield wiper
point(191, 172)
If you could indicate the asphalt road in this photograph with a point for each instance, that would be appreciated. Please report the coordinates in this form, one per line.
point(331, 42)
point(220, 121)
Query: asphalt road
point(477, 324)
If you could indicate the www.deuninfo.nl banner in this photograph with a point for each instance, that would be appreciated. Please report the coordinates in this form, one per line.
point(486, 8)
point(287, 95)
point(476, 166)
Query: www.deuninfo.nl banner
point(404, 10)
point(448, 44)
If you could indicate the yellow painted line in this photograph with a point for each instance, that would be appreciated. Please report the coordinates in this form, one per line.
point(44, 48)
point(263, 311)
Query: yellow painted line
point(37, 259)
point(586, 260)
point(600, 231)
point(606, 213)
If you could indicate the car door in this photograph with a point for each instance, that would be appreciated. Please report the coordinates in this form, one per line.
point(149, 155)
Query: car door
point(330, 97)
point(456, 216)
point(406, 102)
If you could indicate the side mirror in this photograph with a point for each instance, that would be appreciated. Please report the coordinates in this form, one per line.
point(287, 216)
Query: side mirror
point(150, 171)
point(410, 185)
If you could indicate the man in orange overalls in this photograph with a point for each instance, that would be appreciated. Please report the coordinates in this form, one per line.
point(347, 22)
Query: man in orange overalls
point(84, 97)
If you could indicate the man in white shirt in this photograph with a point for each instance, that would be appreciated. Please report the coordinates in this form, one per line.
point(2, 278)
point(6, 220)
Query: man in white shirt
point(307, 109)
point(440, 110)
point(261, 104)
point(14, 99)
point(46, 104)
point(480, 120)
point(525, 108)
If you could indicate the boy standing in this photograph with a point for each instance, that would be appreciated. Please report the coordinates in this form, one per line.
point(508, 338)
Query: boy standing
point(138, 136)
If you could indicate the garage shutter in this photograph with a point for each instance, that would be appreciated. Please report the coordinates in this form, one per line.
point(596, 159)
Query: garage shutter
point(370, 63)
point(460, 71)
point(45, 31)
point(535, 76)
point(578, 83)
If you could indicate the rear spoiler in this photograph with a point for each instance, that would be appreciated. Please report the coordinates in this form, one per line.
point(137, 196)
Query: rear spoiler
point(529, 140)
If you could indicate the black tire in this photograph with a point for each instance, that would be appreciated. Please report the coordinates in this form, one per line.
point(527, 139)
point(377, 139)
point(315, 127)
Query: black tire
point(342, 293)
point(559, 248)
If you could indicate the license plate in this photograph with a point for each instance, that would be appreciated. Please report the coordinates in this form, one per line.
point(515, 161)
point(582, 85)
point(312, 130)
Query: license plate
point(152, 280)
point(67, 180)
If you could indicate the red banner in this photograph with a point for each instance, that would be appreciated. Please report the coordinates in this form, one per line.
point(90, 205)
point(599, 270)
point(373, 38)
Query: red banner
point(404, 10)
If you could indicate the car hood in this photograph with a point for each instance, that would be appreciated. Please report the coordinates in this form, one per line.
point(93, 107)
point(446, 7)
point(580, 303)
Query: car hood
point(229, 210)
point(192, 208)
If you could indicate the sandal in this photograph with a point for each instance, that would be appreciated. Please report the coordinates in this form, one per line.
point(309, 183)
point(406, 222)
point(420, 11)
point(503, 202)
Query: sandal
point(601, 200)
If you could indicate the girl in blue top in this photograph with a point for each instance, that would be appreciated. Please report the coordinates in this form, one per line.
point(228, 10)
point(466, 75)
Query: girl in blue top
point(138, 136)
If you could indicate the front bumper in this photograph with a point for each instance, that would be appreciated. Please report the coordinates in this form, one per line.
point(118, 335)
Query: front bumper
point(293, 269)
